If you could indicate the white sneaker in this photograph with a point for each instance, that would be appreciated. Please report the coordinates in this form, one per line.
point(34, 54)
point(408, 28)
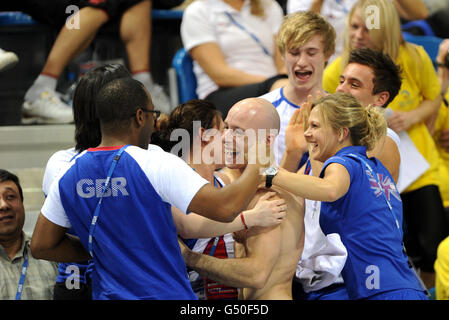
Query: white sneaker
point(160, 99)
point(48, 108)
point(7, 60)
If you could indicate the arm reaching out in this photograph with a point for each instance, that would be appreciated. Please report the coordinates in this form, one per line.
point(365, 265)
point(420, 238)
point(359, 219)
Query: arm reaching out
point(266, 213)
point(251, 271)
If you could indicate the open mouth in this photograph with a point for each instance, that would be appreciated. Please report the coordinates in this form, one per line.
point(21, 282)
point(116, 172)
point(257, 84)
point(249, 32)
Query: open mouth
point(303, 75)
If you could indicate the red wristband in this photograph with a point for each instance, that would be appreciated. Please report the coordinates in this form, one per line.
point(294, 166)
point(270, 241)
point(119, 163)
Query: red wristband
point(243, 221)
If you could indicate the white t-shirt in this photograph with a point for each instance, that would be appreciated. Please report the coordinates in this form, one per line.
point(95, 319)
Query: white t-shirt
point(285, 109)
point(334, 11)
point(163, 169)
point(208, 21)
point(57, 162)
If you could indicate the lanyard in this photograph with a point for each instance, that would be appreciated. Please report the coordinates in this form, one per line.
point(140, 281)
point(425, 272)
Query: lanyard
point(23, 274)
point(214, 245)
point(345, 10)
point(252, 35)
point(97, 209)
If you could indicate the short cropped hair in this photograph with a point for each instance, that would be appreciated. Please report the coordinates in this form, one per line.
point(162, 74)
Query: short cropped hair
point(299, 27)
point(118, 101)
point(387, 75)
point(8, 176)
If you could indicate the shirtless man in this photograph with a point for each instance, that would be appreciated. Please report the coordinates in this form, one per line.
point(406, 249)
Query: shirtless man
point(266, 258)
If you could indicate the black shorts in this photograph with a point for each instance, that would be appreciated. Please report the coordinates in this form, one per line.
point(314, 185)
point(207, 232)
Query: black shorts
point(114, 8)
point(50, 12)
point(62, 293)
point(53, 12)
point(425, 225)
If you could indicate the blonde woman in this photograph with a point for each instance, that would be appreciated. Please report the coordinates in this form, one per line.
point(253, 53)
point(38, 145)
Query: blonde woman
point(233, 46)
point(360, 201)
point(375, 24)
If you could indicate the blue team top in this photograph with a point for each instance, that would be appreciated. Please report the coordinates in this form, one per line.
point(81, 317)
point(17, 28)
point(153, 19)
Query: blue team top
point(136, 254)
point(376, 260)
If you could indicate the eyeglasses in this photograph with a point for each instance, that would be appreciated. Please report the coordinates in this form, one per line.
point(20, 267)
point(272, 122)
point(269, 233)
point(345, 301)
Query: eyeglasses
point(156, 113)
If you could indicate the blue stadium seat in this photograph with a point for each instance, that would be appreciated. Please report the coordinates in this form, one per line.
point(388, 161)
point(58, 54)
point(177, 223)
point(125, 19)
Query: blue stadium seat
point(14, 18)
point(186, 80)
point(421, 24)
point(430, 43)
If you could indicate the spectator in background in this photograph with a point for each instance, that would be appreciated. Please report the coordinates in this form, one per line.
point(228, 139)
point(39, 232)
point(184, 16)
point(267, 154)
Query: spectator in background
point(440, 129)
point(418, 100)
point(306, 41)
point(234, 50)
point(334, 11)
point(21, 275)
point(442, 271)
point(42, 103)
point(435, 12)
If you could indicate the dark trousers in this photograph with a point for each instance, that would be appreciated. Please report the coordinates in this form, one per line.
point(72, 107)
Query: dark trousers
point(425, 225)
point(62, 293)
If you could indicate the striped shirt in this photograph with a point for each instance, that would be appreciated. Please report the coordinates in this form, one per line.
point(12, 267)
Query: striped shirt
point(40, 277)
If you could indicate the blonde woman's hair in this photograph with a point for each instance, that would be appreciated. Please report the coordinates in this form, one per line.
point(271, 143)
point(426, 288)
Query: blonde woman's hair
point(387, 38)
point(300, 27)
point(366, 125)
point(257, 8)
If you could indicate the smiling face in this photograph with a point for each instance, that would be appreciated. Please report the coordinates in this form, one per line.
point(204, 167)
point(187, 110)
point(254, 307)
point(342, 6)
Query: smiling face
point(322, 138)
point(359, 35)
point(305, 65)
point(235, 138)
point(357, 80)
point(12, 211)
point(250, 123)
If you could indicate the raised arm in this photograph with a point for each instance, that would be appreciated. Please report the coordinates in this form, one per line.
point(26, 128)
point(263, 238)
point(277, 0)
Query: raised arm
point(411, 9)
point(266, 213)
point(295, 142)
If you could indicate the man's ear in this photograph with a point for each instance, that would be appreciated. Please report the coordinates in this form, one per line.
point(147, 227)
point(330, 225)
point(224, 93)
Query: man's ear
point(139, 117)
point(381, 98)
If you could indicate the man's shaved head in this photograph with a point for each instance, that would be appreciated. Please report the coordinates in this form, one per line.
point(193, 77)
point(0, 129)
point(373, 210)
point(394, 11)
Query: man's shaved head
point(254, 113)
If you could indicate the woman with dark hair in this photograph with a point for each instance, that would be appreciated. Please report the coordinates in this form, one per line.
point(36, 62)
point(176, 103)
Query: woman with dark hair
point(200, 125)
point(87, 135)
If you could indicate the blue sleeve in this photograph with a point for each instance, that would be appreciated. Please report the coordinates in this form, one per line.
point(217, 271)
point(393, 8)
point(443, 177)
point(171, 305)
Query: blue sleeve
point(344, 161)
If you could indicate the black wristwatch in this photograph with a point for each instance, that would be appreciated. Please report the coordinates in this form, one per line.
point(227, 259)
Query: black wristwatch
point(269, 174)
